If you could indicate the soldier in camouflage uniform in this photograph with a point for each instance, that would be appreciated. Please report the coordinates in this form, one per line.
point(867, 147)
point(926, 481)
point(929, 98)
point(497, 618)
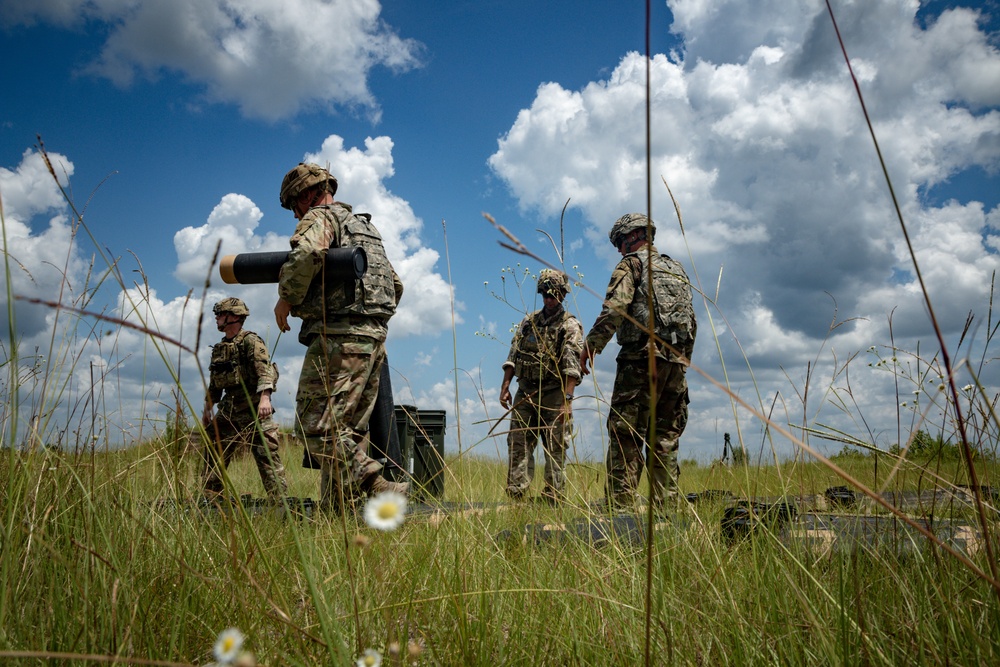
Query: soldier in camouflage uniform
point(241, 381)
point(344, 327)
point(545, 358)
point(626, 304)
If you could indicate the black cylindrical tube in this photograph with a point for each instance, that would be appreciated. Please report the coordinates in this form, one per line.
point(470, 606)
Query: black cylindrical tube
point(382, 429)
point(251, 268)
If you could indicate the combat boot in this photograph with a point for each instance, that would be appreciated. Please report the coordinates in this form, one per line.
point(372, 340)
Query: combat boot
point(514, 493)
point(662, 490)
point(380, 484)
point(620, 502)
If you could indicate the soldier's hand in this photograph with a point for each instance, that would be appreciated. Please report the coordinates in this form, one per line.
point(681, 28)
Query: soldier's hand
point(281, 310)
point(264, 409)
point(505, 398)
point(585, 357)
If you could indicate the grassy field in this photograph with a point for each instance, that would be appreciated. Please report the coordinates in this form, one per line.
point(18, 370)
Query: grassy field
point(95, 569)
point(106, 557)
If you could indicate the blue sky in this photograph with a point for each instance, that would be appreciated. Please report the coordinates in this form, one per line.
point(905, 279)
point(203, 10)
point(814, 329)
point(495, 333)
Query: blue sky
point(176, 122)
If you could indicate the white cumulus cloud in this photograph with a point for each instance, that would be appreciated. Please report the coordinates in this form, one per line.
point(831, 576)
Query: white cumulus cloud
point(272, 58)
point(758, 132)
point(361, 174)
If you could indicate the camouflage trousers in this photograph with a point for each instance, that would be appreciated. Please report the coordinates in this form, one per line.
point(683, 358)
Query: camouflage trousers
point(228, 435)
point(337, 390)
point(629, 430)
point(534, 416)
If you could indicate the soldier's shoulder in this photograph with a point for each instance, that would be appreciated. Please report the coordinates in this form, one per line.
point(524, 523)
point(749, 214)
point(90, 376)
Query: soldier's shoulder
point(571, 318)
point(248, 340)
point(331, 214)
point(629, 265)
point(630, 262)
point(336, 213)
point(530, 321)
point(303, 227)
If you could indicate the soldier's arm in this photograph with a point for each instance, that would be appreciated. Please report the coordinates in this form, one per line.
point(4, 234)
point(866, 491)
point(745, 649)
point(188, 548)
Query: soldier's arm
point(508, 375)
point(212, 396)
point(310, 243)
point(621, 289)
point(256, 351)
point(397, 286)
point(261, 360)
point(571, 364)
point(689, 348)
point(264, 408)
point(508, 367)
point(569, 358)
point(515, 345)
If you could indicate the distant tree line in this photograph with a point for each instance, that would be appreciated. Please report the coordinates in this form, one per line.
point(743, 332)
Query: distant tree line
point(923, 447)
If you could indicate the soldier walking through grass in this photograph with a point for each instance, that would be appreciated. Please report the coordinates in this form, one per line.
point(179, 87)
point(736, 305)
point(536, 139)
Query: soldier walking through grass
point(626, 311)
point(545, 358)
point(241, 380)
point(344, 327)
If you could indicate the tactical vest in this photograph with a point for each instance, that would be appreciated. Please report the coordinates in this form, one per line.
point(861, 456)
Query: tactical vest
point(232, 368)
point(374, 294)
point(227, 371)
point(536, 360)
point(674, 320)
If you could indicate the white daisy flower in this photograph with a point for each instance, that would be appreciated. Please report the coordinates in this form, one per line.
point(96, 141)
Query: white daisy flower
point(386, 511)
point(228, 646)
point(371, 657)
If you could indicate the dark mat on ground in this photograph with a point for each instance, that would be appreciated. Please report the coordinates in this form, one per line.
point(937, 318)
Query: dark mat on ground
point(621, 529)
point(799, 521)
point(882, 534)
point(843, 533)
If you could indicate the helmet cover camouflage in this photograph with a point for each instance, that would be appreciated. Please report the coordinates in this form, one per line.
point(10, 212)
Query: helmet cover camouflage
point(553, 282)
point(231, 305)
point(301, 178)
point(629, 223)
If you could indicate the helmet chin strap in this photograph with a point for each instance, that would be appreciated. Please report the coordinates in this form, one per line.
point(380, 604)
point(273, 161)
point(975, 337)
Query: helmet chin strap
point(634, 238)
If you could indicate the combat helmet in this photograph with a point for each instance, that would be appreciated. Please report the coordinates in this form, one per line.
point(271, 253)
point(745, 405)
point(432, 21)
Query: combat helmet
point(231, 305)
point(551, 281)
point(304, 176)
point(629, 223)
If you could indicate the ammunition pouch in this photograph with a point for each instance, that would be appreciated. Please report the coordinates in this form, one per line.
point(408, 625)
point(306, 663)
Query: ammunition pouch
point(225, 373)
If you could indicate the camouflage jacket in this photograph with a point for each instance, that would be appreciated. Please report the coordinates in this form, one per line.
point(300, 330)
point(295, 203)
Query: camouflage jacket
point(674, 319)
point(240, 370)
point(358, 307)
point(546, 350)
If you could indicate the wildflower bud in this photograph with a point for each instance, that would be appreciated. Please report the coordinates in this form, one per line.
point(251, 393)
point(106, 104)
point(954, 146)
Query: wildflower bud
point(361, 541)
point(413, 649)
